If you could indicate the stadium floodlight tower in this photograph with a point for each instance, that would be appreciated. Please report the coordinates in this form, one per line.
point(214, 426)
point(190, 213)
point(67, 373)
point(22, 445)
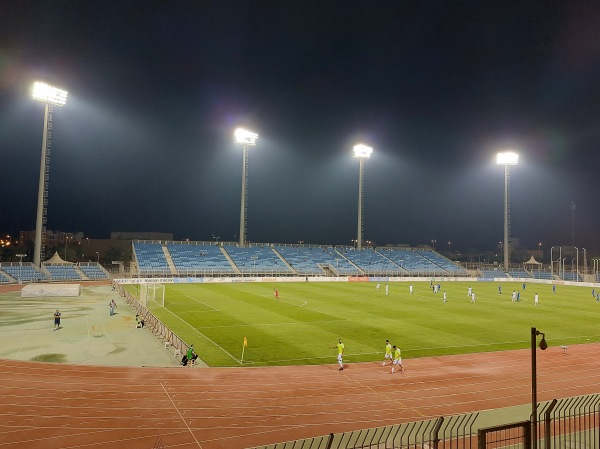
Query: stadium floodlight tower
point(246, 139)
point(361, 152)
point(507, 159)
point(50, 96)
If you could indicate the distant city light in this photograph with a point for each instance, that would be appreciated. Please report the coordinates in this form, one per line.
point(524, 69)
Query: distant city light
point(362, 151)
point(49, 94)
point(507, 158)
point(245, 137)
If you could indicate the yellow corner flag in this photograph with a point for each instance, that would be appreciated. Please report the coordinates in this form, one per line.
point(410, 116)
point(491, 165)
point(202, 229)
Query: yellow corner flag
point(245, 342)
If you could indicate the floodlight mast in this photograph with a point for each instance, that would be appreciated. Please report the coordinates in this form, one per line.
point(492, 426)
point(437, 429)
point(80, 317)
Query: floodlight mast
point(507, 159)
point(245, 138)
point(361, 152)
point(50, 96)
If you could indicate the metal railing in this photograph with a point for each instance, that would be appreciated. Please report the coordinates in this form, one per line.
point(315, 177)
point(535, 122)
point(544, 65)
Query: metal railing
point(439, 433)
point(515, 435)
point(570, 423)
point(562, 424)
point(151, 321)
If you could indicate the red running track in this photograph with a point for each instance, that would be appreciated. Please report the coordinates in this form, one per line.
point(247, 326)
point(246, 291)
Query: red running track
point(65, 406)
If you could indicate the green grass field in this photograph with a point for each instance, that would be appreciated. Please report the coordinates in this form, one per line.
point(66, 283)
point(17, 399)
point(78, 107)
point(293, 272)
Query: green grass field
point(305, 323)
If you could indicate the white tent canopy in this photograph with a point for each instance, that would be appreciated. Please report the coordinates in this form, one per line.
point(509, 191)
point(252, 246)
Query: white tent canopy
point(532, 261)
point(56, 259)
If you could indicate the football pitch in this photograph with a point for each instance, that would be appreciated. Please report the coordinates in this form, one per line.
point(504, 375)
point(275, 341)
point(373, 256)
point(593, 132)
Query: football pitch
point(304, 324)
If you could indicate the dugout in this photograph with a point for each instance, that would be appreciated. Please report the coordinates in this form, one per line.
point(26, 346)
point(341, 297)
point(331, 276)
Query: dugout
point(37, 290)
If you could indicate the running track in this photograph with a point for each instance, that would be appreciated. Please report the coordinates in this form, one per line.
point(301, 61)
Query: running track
point(65, 406)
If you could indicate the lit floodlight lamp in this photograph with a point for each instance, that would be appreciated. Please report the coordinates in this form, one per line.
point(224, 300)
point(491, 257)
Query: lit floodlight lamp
point(49, 94)
point(508, 158)
point(245, 137)
point(362, 151)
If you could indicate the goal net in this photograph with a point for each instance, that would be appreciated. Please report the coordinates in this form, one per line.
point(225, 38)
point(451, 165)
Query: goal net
point(152, 295)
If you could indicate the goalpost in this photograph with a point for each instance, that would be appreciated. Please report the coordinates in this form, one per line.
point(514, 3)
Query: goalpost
point(152, 295)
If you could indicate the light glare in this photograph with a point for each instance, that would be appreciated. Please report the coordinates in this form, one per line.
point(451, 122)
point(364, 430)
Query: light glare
point(245, 137)
point(507, 158)
point(362, 151)
point(48, 94)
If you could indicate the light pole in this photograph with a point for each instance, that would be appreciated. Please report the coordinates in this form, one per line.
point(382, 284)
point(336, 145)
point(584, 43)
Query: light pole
point(572, 207)
point(563, 268)
point(507, 159)
point(97, 257)
point(50, 96)
point(584, 261)
point(66, 245)
point(361, 152)
point(433, 244)
point(540, 256)
point(543, 347)
point(449, 243)
point(577, 266)
point(20, 256)
point(246, 139)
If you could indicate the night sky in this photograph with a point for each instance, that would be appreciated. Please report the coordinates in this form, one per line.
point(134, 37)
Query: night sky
point(145, 142)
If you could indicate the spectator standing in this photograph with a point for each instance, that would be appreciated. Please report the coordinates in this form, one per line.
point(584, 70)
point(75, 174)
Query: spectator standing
point(57, 320)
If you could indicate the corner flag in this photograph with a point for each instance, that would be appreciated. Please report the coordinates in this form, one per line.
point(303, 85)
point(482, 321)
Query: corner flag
point(243, 349)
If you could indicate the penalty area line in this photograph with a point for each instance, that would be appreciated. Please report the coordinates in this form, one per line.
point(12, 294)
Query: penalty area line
point(200, 302)
point(202, 335)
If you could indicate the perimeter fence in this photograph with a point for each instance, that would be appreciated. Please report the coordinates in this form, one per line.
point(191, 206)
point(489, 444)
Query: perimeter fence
point(151, 321)
point(570, 423)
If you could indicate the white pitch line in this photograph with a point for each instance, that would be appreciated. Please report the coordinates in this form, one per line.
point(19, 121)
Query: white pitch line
point(297, 305)
point(202, 335)
point(203, 303)
point(273, 324)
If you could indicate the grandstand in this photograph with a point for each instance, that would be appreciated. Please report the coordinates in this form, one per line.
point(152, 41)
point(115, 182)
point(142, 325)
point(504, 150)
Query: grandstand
point(62, 272)
point(93, 271)
point(373, 263)
point(228, 259)
point(542, 274)
point(198, 258)
point(492, 274)
point(571, 276)
point(25, 272)
point(150, 258)
point(258, 260)
point(4, 279)
point(519, 274)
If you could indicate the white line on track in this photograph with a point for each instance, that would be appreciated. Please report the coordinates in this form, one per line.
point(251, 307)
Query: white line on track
point(181, 416)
